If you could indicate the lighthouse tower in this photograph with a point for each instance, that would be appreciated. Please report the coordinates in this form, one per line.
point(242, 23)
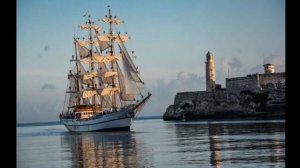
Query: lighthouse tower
point(210, 72)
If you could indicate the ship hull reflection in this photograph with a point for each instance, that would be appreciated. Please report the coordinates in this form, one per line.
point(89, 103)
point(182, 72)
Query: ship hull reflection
point(103, 149)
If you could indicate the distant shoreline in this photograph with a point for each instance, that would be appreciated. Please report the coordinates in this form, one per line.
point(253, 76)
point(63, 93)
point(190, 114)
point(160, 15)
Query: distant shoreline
point(160, 117)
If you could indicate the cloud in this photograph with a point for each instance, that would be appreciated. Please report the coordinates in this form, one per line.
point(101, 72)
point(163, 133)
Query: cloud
point(48, 86)
point(164, 91)
point(239, 51)
point(257, 69)
point(229, 67)
point(277, 60)
point(235, 64)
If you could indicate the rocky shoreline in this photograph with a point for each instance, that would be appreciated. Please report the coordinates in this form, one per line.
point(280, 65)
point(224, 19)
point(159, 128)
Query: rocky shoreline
point(227, 105)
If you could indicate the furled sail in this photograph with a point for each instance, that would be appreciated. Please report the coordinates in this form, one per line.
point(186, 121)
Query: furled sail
point(110, 74)
point(88, 93)
point(89, 75)
point(100, 58)
point(112, 20)
point(87, 27)
point(116, 38)
point(83, 43)
point(109, 91)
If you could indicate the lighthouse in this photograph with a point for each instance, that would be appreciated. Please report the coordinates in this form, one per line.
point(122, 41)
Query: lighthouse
point(210, 72)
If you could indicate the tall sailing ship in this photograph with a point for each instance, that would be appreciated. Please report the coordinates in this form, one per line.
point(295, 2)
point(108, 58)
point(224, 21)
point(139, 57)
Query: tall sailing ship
point(105, 90)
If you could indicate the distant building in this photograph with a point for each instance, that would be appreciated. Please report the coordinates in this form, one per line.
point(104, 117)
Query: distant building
point(254, 82)
point(257, 82)
point(269, 68)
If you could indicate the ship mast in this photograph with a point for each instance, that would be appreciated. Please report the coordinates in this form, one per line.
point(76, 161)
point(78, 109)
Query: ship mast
point(114, 102)
point(91, 55)
point(77, 73)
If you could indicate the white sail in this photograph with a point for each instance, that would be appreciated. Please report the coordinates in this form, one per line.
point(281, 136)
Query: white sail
point(102, 70)
point(82, 75)
point(86, 101)
point(83, 51)
point(103, 45)
point(81, 69)
point(129, 67)
point(106, 102)
point(72, 94)
point(129, 81)
point(125, 96)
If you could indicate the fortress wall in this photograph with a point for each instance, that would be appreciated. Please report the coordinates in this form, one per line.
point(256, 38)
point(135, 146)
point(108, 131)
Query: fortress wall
point(210, 101)
point(263, 96)
point(224, 104)
point(242, 83)
point(272, 81)
point(256, 82)
point(181, 96)
point(201, 96)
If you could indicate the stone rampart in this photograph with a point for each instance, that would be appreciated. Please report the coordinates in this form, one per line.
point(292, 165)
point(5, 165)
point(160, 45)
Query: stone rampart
point(224, 104)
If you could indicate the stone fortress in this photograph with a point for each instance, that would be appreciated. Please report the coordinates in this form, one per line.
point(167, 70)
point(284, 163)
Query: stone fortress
point(253, 96)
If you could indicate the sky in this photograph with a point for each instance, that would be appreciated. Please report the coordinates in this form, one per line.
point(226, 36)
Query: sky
point(170, 39)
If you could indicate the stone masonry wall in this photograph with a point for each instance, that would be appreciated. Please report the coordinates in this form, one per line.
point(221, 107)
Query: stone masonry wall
point(256, 82)
point(242, 83)
point(272, 81)
point(222, 104)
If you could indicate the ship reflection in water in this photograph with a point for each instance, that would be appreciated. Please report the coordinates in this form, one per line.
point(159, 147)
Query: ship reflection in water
point(231, 144)
point(105, 149)
point(155, 143)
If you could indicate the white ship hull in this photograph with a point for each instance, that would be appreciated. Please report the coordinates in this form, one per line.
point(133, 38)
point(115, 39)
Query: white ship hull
point(113, 121)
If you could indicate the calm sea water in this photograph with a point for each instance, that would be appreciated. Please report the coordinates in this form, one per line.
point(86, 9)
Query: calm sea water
point(156, 143)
